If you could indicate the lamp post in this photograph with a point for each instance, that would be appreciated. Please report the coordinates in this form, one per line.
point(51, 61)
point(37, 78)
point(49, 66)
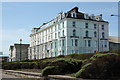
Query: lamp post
point(115, 15)
point(20, 48)
point(118, 23)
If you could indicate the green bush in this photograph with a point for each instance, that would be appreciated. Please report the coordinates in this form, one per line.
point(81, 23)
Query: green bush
point(11, 66)
point(27, 60)
point(111, 51)
point(42, 65)
point(81, 56)
point(100, 55)
point(60, 56)
point(78, 74)
point(68, 64)
point(49, 70)
point(102, 68)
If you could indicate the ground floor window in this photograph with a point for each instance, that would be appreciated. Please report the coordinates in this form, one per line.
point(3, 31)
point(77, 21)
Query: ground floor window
point(105, 43)
point(55, 54)
point(89, 43)
point(63, 52)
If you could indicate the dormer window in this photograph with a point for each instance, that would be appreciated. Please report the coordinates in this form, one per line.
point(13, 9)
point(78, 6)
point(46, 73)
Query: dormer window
point(92, 16)
point(74, 15)
point(100, 18)
point(63, 15)
point(86, 16)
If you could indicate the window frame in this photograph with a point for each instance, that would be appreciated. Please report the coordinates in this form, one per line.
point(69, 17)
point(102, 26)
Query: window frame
point(86, 25)
point(89, 43)
point(103, 27)
point(95, 26)
point(103, 35)
point(74, 32)
point(87, 34)
point(74, 24)
point(95, 34)
point(76, 42)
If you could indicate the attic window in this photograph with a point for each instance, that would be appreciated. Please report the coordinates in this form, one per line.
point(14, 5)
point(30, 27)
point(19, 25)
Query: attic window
point(86, 16)
point(92, 16)
point(73, 15)
point(100, 18)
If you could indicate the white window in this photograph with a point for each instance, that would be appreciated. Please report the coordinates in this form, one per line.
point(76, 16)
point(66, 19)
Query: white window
point(55, 44)
point(95, 43)
point(46, 32)
point(102, 27)
point(55, 54)
point(63, 52)
point(55, 27)
point(62, 42)
point(55, 35)
point(76, 42)
point(94, 26)
point(86, 33)
point(74, 32)
point(89, 43)
point(58, 26)
point(73, 15)
point(105, 43)
point(63, 24)
point(51, 45)
point(95, 34)
point(103, 35)
point(86, 16)
point(49, 30)
point(58, 34)
point(72, 42)
point(72, 51)
point(86, 25)
point(85, 43)
point(73, 23)
point(63, 32)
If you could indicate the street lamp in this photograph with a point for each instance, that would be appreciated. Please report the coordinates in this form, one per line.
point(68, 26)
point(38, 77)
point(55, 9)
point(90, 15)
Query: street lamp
point(20, 48)
point(115, 15)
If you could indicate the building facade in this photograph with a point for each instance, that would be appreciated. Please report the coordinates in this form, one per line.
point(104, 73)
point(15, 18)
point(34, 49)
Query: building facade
point(15, 52)
point(3, 58)
point(1, 53)
point(68, 33)
point(114, 43)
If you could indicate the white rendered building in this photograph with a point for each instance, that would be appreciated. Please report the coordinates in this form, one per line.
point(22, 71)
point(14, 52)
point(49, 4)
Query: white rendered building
point(68, 33)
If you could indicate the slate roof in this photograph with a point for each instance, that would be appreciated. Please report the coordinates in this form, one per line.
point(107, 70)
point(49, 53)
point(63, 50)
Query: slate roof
point(79, 15)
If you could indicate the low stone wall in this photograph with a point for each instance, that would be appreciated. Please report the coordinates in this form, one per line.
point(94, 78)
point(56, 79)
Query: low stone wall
point(38, 75)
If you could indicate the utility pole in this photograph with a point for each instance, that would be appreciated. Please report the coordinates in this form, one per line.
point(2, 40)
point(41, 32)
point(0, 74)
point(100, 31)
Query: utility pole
point(118, 20)
point(20, 49)
point(98, 37)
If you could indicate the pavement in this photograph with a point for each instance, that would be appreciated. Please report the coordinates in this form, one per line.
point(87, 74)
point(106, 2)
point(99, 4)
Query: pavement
point(8, 76)
point(4, 76)
point(33, 76)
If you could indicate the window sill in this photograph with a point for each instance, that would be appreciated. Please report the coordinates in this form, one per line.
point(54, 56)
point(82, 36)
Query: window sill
point(74, 36)
point(103, 39)
point(87, 37)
